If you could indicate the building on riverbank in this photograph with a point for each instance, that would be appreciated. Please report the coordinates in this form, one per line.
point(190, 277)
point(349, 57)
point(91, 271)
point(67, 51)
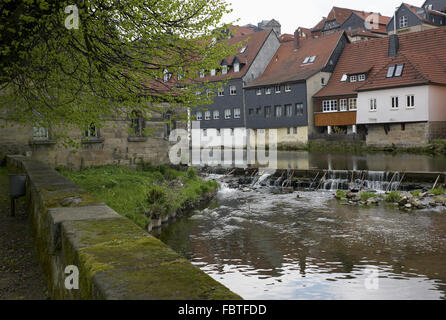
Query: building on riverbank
point(409, 18)
point(281, 97)
point(391, 89)
point(359, 25)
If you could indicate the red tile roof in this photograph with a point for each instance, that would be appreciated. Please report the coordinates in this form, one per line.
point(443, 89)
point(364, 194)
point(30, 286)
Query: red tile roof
point(241, 31)
point(342, 14)
point(286, 65)
point(423, 54)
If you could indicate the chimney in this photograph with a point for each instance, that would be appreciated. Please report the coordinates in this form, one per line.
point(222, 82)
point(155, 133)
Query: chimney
point(394, 45)
point(296, 39)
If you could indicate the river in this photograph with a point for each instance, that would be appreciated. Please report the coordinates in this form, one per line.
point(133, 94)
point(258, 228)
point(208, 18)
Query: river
point(264, 244)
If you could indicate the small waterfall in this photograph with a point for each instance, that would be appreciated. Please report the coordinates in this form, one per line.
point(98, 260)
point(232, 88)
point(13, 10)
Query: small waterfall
point(371, 180)
point(261, 177)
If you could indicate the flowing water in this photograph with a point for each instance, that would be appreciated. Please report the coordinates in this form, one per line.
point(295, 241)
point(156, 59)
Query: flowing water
point(265, 244)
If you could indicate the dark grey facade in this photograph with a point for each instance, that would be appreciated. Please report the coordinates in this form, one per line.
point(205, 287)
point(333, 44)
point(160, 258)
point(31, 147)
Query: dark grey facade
point(438, 5)
point(256, 107)
point(220, 104)
point(414, 20)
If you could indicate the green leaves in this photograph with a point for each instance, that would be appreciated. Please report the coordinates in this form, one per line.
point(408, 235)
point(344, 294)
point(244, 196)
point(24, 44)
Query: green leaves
point(113, 63)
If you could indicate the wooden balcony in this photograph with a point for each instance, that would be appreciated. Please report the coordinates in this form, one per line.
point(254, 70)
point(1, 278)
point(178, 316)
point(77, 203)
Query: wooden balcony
point(344, 118)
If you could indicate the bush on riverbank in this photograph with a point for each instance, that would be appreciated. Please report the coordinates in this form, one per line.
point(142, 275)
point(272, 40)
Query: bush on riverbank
point(393, 197)
point(143, 193)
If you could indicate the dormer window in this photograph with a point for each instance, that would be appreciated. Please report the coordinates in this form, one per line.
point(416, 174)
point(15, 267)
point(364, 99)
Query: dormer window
point(236, 67)
point(224, 70)
point(399, 70)
point(353, 78)
point(344, 78)
point(309, 59)
point(243, 49)
point(213, 72)
point(361, 77)
point(277, 88)
point(166, 75)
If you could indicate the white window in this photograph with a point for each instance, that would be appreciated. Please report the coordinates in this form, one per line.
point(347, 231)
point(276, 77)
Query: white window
point(233, 90)
point(199, 116)
point(395, 103)
point(205, 132)
point(287, 88)
point(299, 109)
point(352, 104)
point(166, 75)
point(224, 70)
point(236, 67)
point(236, 113)
point(312, 59)
point(289, 110)
point(259, 92)
point(399, 70)
point(390, 71)
point(207, 115)
point(221, 92)
point(330, 105)
point(307, 59)
point(213, 72)
point(268, 91)
point(279, 111)
point(243, 49)
point(40, 133)
point(216, 115)
point(202, 73)
point(353, 78)
point(361, 77)
point(343, 105)
point(277, 88)
point(228, 114)
point(410, 101)
point(372, 105)
point(404, 22)
point(323, 81)
point(344, 78)
point(295, 130)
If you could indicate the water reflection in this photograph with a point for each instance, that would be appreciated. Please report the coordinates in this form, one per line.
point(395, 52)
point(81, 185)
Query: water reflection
point(304, 160)
point(287, 247)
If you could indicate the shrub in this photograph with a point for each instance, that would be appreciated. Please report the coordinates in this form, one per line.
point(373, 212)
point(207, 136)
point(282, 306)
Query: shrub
point(366, 195)
point(393, 196)
point(191, 173)
point(340, 194)
point(156, 194)
point(416, 193)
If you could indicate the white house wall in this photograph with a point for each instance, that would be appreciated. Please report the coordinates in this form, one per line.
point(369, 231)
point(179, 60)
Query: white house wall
point(384, 112)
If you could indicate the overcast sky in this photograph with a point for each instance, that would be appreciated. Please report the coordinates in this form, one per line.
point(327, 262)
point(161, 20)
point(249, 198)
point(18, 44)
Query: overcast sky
point(297, 13)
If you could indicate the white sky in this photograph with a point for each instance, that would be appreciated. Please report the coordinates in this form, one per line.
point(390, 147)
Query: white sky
point(294, 13)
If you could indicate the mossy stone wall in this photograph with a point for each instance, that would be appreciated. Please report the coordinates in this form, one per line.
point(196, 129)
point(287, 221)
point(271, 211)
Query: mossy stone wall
point(116, 259)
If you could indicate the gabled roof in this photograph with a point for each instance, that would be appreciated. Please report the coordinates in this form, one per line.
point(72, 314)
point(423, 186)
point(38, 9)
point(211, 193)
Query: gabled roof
point(342, 14)
point(287, 64)
point(422, 53)
point(253, 43)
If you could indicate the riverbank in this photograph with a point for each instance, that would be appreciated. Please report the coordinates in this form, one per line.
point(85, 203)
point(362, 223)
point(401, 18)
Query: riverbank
point(436, 147)
point(20, 275)
point(146, 195)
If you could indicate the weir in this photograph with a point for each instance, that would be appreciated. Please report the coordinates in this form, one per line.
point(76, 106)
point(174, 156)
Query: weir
point(332, 180)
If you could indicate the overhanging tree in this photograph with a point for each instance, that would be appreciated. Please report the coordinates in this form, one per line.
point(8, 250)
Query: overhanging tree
point(114, 61)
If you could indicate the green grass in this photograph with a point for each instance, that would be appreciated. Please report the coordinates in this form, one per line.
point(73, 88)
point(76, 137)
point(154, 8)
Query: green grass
point(416, 193)
point(367, 195)
point(393, 196)
point(143, 193)
point(340, 194)
point(438, 191)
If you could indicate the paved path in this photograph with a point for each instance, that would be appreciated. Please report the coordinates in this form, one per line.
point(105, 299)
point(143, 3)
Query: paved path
point(20, 275)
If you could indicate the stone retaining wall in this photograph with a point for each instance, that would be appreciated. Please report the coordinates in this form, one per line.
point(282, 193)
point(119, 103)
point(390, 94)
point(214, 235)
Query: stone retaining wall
point(116, 259)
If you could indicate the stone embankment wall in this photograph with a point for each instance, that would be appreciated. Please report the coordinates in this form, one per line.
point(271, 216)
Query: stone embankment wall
point(115, 258)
